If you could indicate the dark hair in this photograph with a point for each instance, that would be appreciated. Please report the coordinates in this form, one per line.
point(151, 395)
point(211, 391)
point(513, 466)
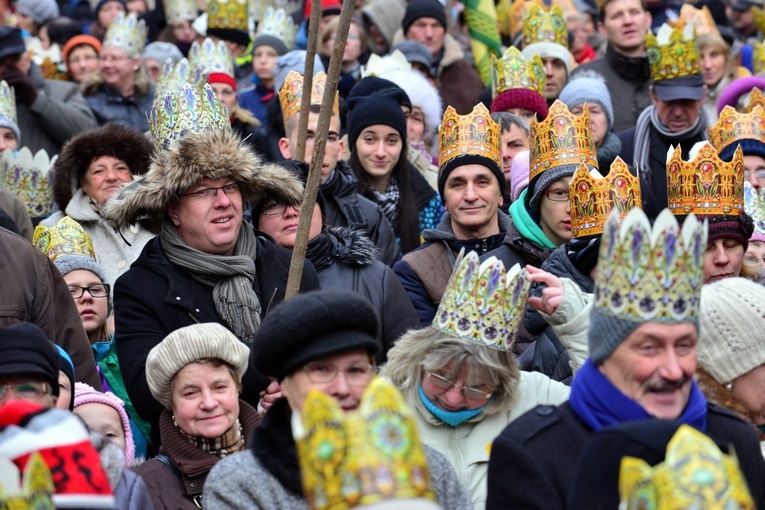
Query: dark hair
point(61, 29)
point(507, 120)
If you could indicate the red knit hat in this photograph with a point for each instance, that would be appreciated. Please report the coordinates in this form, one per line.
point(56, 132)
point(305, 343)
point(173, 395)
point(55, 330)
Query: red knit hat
point(222, 78)
point(521, 98)
point(328, 7)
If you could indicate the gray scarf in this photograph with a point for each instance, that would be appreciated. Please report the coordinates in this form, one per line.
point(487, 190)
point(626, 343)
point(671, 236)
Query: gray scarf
point(231, 276)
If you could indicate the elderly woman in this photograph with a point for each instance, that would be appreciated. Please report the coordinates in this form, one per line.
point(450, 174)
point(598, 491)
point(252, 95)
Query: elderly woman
point(322, 340)
point(196, 373)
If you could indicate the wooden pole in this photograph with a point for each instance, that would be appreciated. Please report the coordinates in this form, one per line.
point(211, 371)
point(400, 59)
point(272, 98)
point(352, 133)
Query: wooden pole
point(310, 55)
point(319, 146)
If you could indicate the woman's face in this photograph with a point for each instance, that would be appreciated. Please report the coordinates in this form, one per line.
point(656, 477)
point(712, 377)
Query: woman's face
point(415, 125)
point(104, 419)
point(749, 389)
point(226, 95)
point(64, 390)
point(555, 212)
point(108, 12)
point(104, 178)
point(281, 223)
point(713, 62)
point(117, 68)
point(137, 7)
point(183, 32)
point(204, 400)
point(723, 259)
point(8, 139)
point(453, 398)
point(379, 148)
point(82, 63)
point(352, 50)
point(756, 252)
point(24, 22)
point(598, 121)
point(264, 62)
point(93, 311)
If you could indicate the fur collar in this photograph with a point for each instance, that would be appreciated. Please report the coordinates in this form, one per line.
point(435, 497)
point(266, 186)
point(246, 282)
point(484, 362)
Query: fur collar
point(353, 247)
point(275, 449)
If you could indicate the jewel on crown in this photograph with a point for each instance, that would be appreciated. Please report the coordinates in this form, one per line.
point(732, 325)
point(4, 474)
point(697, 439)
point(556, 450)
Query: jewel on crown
point(172, 77)
point(561, 139)
point(180, 10)
point(67, 237)
point(672, 52)
point(27, 177)
point(127, 33)
point(279, 24)
point(475, 133)
point(593, 197)
point(211, 57)
point(513, 71)
point(705, 184)
point(542, 24)
point(754, 205)
point(230, 14)
point(733, 126)
point(291, 94)
point(7, 101)
point(483, 302)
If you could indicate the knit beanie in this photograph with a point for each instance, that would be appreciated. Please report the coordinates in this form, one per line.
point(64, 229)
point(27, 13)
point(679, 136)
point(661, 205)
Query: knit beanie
point(161, 51)
point(101, 3)
point(423, 9)
point(186, 345)
point(85, 40)
point(588, 87)
point(541, 182)
point(370, 85)
point(739, 228)
point(732, 314)
point(68, 263)
point(68, 368)
point(547, 49)
point(519, 174)
point(85, 394)
point(749, 147)
point(470, 159)
point(39, 10)
point(25, 350)
point(521, 98)
point(380, 108)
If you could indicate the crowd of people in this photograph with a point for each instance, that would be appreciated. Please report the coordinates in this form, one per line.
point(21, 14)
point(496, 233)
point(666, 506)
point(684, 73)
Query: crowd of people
point(533, 278)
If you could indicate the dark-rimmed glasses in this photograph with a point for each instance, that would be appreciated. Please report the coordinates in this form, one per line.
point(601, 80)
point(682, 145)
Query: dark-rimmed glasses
point(208, 193)
point(97, 290)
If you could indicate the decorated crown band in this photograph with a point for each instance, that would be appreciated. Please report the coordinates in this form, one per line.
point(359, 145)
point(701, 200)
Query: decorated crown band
point(291, 94)
point(694, 474)
point(32, 490)
point(513, 71)
point(754, 205)
point(475, 134)
point(67, 237)
point(733, 126)
point(7, 102)
point(542, 24)
point(211, 57)
point(231, 14)
point(705, 184)
point(756, 98)
point(593, 197)
point(27, 176)
point(127, 33)
point(180, 10)
point(561, 139)
point(483, 302)
point(699, 18)
point(650, 274)
point(172, 77)
point(277, 23)
point(672, 52)
point(367, 456)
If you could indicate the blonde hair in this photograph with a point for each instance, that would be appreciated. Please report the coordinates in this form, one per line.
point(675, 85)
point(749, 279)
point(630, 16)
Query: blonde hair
point(713, 41)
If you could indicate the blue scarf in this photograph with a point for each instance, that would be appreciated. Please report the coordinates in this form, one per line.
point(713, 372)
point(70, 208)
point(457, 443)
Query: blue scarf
point(453, 418)
point(600, 404)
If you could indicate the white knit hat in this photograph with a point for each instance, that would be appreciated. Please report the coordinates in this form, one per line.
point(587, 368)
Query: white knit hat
point(732, 321)
point(186, 345)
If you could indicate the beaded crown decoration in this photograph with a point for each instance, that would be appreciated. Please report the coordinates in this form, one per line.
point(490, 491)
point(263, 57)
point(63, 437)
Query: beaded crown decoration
point(127, 33)
point(700, 19)
point(733, 126)
point(180, 10)
point(279, 24)
point(754, 205)
point(650, 274)
point(363, 457)
point(672, 52)
point(483, 302)
point(291, 94)
point(172, 77)
point(542, 24)
point(705, 184)
point(211, 57)
point(27, 176)
point(694, 474)
point(561, 139)
point(32, 490)
point(7, 101)
point(228, 14)
point(513, 71)
point(756, 97)
point(67, 237)
point(593, 197)
point(475, 133)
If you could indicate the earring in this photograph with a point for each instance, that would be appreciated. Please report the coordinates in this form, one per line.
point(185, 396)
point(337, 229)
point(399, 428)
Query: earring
point(729, 386)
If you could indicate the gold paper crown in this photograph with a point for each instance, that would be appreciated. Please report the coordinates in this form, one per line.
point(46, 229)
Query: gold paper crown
point(279, 24)
point(700, 19)
point(363, 457)
point(67, 237)
point(593, 197)
point(482, 302)
point(513, 71)
point(694, 474)
point(7, 102)
point(756, 98)
point(650, 275)
point(172, 77)
point(754, 205)
point(510, 15)
point(190, 110)
point(541, 24)
point(733, 126)
point(672, 53)
point(127, 33)
point(561, 139)
point(211, 57)
point(35, 490)
point(180, 10)
point(475, 134)
point(705, 184)
point(27, 177)
point(230, 14)
point(758, 58)
point(291, 94)
point(759, 19)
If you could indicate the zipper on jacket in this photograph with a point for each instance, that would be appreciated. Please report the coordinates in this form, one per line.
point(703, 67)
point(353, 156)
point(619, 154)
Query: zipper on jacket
point(270, 301)
point(194, 318)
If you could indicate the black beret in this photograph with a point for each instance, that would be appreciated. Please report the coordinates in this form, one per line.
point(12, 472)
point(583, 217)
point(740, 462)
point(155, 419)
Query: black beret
point(312, 326)
point(27, 351)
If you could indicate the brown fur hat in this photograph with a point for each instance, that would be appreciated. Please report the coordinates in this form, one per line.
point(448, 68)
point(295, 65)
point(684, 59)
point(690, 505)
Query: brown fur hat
point(114, 140)
point(211, 154)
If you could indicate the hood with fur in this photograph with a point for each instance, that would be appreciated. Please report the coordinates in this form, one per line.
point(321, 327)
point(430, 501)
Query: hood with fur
point(211, 154)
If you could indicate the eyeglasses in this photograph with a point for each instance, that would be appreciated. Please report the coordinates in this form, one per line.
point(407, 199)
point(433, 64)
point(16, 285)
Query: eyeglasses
point(557, 195)
point(112, 59)
point(445, 384)
point(758, 174)
point(97, 290)
point(320, 372)
point(231, 189)
point(25, 390)
point(278, 209)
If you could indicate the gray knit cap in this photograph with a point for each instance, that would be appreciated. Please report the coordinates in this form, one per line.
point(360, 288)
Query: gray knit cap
point(541, 182)
point(588, 87)
point(68, 263)
point(39, 10)
point(189, 344)
point(161, 51)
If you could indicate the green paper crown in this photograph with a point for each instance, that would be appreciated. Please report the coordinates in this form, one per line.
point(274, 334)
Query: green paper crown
point(279, 24)
point(172, 77)
point(672, 53)
point(211, 57)
point(7, 102)
point(127, 33)
point(180, 10)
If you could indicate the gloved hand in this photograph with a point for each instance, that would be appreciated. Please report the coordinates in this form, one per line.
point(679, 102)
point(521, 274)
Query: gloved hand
point(25, 89)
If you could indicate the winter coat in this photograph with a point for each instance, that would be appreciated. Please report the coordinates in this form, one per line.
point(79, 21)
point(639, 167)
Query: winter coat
point(155, 298)
point(108, 105)
point(539, 453)
point(181, 487)
point(131, 493)
point(18, 213)
point(254, 99)
point(425, 271)
point(468, 445)
point(267, 476)
point(516, 249)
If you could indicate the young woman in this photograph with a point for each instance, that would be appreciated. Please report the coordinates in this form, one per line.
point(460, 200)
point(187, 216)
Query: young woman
point(718, 68)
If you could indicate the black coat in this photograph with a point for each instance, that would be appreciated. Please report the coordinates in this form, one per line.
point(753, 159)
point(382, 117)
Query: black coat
point(532, 463)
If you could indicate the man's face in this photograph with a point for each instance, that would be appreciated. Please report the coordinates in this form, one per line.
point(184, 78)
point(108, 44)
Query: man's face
point(625, 24)
point(754, 170)
point(209, 224)
point(742, 21)
point(334, 148)
point(654, 366)
point(677, 115)
point(514, 140)
point(30, 388)
point(428, 32)
point(472, 196)
point(555, 77)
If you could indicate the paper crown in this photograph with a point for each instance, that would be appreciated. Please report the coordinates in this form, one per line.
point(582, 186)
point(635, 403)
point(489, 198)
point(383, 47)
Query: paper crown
point(705, 184)
point(363, 457)
point(380, 66)
point(67, 237)
point(27, 176)
point(279, 24)
point(190, 110)
point(211, 57)
point(35, 490)
point(291, 94)
point(756, 98)
point(694, 474)
point(230, 14)
point(700, 19)
point(180, 10)
point(482, 302)
point(733, 126)
point(172, 77)
point(672, 53)
point(257, 8)
point(127, 33)
point(561, 139)
point(754, 205)
point(475, 134)
point(513, 71)
point(510, 15)
point(7, 102)
point(542, 24)
point(593, 197)
point(650, 275)
point(758, 57)
point(759, 18)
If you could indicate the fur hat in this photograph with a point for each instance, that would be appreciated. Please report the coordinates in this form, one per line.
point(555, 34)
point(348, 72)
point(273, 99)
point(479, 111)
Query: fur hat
point(86, 394)
point(421, 94)
point(121, 142)
point(211, 154)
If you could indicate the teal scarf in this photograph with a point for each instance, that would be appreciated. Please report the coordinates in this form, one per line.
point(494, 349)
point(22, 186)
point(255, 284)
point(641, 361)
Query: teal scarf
point(453, 418)
point(526, 225)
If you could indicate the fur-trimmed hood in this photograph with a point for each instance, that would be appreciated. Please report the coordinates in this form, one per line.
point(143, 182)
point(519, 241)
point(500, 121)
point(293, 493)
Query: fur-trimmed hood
point(354, 248)
point(211, 154)
point(114, 140)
